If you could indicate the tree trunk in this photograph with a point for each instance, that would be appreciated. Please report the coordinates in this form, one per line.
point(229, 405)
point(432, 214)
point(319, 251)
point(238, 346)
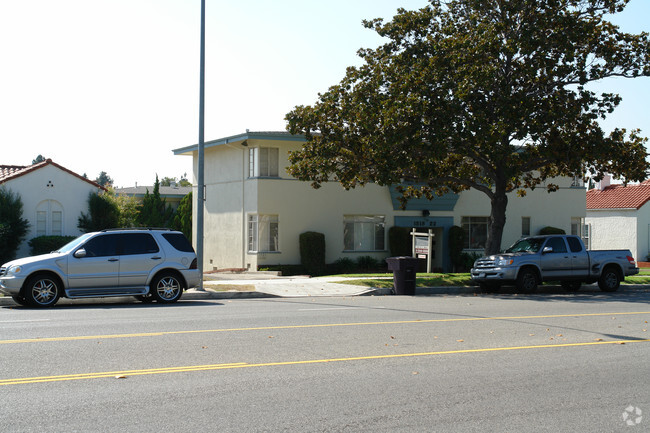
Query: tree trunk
point(497, 220)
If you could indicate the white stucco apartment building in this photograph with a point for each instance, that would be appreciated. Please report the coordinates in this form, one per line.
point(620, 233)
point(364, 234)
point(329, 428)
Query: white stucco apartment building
point(255, 211)
point(618, 217)
point(53, 198)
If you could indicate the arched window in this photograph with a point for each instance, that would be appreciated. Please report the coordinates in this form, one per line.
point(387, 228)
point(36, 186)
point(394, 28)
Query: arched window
point(49, 218)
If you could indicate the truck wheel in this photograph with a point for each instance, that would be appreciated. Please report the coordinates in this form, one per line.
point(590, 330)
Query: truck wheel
point(571, 286)
point(526, 281)
point(609, 280)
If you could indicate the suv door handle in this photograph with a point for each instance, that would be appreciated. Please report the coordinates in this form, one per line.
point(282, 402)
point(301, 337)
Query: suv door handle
point(156, 258)
point(113, 260)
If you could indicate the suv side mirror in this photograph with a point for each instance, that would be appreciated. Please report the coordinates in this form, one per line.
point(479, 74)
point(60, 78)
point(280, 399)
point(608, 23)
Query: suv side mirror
point(80, 253)
point(547, 250)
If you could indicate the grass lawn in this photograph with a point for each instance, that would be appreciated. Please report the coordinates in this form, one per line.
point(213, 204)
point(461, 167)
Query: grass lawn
point(461, 279)
point(422, 280)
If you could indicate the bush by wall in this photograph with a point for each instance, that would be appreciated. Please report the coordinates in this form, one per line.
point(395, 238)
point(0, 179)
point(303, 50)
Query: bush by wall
point(548, 230)
point(399, 241)
point(367, 263)
point(47, 244)
point(312, 252)
point(13, 227)
point(343, 265)
point(456, 244)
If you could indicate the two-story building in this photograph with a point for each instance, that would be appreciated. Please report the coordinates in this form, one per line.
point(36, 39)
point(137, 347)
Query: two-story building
point(255, 211)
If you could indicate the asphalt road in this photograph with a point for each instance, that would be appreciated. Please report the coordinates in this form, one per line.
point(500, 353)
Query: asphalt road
point(444, 363)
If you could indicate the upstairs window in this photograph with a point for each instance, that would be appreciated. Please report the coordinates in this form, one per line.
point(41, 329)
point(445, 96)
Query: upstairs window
point(263, 162)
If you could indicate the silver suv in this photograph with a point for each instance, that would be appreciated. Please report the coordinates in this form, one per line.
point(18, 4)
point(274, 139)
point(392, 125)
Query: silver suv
point(150, 264)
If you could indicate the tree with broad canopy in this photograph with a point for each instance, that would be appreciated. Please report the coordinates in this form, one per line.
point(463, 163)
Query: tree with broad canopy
point(484, 94)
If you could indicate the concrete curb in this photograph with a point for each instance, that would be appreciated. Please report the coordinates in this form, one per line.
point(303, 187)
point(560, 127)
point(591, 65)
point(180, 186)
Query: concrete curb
point(195, 295)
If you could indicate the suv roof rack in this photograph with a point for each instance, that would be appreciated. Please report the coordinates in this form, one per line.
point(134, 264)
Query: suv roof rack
point(137, 228)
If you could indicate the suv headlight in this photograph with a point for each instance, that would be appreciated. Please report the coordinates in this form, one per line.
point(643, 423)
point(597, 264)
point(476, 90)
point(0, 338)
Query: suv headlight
point(14, 270)
point(504, 262)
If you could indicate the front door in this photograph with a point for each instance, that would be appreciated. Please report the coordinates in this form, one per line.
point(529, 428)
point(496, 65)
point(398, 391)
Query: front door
point(99, 267)
point(555, 263)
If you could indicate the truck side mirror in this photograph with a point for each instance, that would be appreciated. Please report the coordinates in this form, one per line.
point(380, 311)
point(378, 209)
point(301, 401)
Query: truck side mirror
point(547, 250)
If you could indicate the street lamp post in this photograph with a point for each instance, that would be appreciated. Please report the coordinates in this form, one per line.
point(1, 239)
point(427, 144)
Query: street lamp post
point(201, 174)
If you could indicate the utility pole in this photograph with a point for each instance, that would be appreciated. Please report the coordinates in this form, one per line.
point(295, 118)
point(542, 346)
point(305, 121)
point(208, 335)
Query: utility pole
point(201, 175)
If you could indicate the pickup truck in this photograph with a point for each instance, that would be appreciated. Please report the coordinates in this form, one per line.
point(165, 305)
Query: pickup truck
point(562, 258)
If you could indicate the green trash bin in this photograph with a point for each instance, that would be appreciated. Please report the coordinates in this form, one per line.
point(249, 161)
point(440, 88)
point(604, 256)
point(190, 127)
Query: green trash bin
point(404, 272)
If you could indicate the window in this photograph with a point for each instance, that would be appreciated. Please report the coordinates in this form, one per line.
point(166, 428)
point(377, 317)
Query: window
point(41, 223)
point(49, 218)
point(179, 242)
point(263, 162)
point(574, 244)
point(476, 230)
point(525, 226)
point(586, 235)
point(137, 243)
point(101, 246)
point(576, 225)
point(263, 233)
point(363, 233)
point(557, 244)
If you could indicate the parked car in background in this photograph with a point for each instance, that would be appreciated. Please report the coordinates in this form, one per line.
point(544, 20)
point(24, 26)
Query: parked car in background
point(562, 258)
point(150, 264)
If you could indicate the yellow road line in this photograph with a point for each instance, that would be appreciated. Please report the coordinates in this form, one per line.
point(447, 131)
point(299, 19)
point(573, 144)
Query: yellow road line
point(326, 325)
point(195, 368)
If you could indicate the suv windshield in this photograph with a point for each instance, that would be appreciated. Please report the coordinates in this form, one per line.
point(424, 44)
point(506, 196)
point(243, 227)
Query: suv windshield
point(73, 244)
point(531, 245)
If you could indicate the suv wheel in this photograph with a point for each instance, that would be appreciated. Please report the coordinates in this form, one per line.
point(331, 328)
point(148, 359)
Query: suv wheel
point(166, 288)
point(41, 290)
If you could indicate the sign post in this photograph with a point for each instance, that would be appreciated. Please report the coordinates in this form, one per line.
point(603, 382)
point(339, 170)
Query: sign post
point(423, 246)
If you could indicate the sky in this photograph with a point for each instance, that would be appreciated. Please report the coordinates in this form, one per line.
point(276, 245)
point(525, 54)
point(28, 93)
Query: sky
point(113, 85)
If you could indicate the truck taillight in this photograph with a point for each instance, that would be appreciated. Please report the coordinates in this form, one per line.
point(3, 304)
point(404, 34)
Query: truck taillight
point(631, 260)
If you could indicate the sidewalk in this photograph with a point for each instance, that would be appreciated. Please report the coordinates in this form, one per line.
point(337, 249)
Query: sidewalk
point(261, 285)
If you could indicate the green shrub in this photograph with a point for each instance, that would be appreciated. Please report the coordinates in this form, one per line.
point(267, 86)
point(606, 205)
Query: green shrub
point(13, 227)
point(344, 265)
point(47, 244)
point(286, 270)
point(467, 261)
point(367, 263)
point(548, 230)
point(456, 244)
point(312, 252)
point(103, 213)
point(399, 241)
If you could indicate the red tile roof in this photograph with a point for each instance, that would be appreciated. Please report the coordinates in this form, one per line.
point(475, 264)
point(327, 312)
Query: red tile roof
point(9, 172)
point(619, 196)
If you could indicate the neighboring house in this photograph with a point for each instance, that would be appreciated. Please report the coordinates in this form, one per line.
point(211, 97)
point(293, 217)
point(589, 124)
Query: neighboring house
point(53, 198)
point(618, 217)
point(171, 194)
point(255, 211)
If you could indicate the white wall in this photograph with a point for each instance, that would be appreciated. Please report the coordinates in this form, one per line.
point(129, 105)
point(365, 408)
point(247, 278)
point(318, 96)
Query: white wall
point(616, 229)
point(67, 190)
